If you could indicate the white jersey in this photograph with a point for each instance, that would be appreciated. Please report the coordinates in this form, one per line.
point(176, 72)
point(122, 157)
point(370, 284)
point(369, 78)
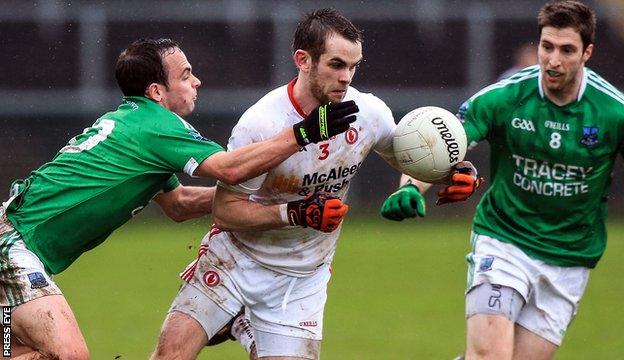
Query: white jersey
point(326, 166)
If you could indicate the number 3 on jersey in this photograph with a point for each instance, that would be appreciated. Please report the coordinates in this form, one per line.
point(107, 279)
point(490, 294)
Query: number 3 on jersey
point(324, 151)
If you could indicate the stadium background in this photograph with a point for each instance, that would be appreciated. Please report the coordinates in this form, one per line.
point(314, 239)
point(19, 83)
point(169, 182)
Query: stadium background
point(398, 290)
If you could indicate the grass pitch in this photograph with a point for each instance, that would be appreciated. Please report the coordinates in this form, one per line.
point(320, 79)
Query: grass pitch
point(396, 292)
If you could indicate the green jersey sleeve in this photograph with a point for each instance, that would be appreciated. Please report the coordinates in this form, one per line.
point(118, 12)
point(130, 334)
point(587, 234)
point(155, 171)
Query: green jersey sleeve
point(171, 184)
point(476, 119)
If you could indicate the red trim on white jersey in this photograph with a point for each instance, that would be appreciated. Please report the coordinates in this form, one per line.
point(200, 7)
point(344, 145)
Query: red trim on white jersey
point(291, 96)
point(214, 231)
point(188, 273)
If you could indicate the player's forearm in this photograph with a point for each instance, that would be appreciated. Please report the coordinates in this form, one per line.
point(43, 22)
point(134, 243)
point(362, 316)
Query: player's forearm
point(248, 217)
point(234, 212)
point(421, 185)
point(187, 202)
point(197, 201)
point(234, 167)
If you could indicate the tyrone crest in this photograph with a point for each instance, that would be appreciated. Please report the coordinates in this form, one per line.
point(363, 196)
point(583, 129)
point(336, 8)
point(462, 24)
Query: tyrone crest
point(351, 136)
point(211, 278)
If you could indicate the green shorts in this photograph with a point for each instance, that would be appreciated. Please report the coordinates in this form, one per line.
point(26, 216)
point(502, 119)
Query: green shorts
point(22, 274)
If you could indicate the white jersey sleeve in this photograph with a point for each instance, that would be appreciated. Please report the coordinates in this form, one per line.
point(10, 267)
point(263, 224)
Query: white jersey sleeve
point(248, 130)
point(384, 133)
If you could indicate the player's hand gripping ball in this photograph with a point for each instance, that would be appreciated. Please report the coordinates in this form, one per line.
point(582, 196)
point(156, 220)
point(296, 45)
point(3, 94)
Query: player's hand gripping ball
point(465, 180)
point(428, 141)
point(320, 211)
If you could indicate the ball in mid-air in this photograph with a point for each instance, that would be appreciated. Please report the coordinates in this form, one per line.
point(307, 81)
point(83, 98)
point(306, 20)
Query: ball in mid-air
point(428, 141)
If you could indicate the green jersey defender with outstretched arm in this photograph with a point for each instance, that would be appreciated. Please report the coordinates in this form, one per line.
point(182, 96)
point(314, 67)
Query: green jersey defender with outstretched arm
point(102, 178)
point(551, 165)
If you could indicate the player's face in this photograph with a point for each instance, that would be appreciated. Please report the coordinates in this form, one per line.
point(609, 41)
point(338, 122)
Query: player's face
point(331, 75)
point(181, 93)
point(561, 57)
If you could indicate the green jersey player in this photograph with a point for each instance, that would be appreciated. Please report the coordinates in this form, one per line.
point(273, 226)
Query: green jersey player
point(555, 131)
point(104, 176)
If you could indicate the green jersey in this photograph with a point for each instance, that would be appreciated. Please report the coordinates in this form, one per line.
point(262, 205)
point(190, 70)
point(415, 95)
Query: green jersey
point(103, 177)
point(550, 165)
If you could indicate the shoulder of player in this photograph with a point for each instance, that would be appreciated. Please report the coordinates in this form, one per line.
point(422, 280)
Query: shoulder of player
point(367, 102)
point(143, 110)
point(147, 119)
point(268, 112)
point(604, 91)
point(522, 83)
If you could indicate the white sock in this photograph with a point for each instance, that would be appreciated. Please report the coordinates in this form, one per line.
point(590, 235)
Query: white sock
point(243, 332)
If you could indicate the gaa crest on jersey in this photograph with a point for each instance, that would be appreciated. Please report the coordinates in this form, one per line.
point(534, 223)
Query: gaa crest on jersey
point(37, 280)
point(590, 136)
point(194, 133)
point(486, 264)
point(351, 135)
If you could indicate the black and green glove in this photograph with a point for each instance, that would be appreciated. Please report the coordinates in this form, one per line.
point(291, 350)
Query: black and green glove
point(407, 202)
point(324, 122)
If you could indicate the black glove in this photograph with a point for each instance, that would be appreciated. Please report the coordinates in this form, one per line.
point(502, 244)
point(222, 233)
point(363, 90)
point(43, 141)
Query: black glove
point(324, 122)
point(320, 211)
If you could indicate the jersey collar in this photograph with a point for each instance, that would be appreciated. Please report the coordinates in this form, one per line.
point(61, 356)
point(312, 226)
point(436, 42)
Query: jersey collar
point(293, 101)
point(581, 89)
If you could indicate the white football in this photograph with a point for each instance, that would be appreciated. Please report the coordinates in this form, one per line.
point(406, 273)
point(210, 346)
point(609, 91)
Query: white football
point(428, 141)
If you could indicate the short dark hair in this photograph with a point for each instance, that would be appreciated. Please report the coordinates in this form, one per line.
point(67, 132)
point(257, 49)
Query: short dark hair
point(315, 26)
point(141, 64)
point(569, 13)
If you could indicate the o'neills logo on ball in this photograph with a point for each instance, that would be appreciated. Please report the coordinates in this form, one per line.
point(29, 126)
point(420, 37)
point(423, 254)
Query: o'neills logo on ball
point(211, 278)
point(451, 144)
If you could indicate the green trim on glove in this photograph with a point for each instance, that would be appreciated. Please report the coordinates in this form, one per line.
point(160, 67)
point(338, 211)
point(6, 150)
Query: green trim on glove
point(324, 122)
point(406, 202)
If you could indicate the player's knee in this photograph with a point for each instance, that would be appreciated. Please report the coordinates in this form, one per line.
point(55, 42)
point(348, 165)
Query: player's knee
point(73, 352)
point(487, 352)
point(489, 346)
point(167, 351)
point(168, 347)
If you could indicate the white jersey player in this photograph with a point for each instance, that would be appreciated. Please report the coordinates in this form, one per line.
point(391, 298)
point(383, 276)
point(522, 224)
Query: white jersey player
point(257, 256)
point(328, 166)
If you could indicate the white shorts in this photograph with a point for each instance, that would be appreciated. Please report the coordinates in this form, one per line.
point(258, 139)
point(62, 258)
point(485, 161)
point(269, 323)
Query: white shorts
point(22, 274)
point(551, 293)
point(285, 312)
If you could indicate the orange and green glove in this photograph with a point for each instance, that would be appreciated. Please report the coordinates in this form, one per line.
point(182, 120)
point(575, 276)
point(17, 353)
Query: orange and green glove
point(465, 180)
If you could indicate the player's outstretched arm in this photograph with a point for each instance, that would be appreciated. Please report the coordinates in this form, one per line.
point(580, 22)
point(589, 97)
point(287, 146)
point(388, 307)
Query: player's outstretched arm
point(408, 201)
point(186, 202)
point(234, 167)
point(234, 212)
